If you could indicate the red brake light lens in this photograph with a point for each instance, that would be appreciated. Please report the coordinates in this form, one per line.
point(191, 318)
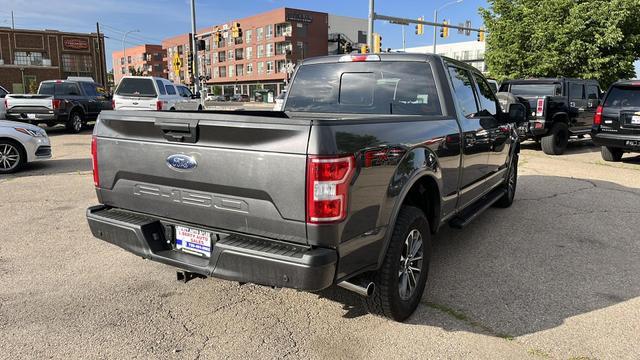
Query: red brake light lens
point(597, 118)
point(56, 103)
point(327, 188)
point(159, 105)
point(540, 108)
point(94, 161)
point(113, 104)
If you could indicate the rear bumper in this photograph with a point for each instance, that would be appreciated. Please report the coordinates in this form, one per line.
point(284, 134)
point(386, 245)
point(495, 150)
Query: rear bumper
point(233, 256)
point(37, 116)
point(625, 142)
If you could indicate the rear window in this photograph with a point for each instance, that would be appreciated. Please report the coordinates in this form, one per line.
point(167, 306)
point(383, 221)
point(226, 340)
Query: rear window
point(136, 87)
point(536, 89)
point(161, 87)
point(623, 96)
point(59, 88)
point(405, 88)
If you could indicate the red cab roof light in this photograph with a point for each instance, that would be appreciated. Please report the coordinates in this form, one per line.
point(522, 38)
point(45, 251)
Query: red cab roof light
point(359, 58)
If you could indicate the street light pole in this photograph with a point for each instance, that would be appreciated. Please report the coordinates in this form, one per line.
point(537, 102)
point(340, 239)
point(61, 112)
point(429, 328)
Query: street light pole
point(370, 25)
point(124, 49)
point(435, 20)
point(194, 50)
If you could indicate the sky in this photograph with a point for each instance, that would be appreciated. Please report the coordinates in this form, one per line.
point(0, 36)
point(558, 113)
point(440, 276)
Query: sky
point(159, 19)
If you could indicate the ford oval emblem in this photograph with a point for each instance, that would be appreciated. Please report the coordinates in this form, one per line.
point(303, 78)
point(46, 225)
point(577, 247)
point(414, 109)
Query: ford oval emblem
point(181, 162)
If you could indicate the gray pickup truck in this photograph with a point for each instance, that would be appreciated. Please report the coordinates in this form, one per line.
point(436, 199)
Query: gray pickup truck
point(370, 157)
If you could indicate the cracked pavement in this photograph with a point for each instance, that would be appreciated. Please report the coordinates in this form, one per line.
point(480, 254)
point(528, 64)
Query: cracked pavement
point(554, 276)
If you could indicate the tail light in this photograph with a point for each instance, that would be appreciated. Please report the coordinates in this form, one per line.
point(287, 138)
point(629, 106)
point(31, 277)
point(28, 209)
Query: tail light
point(6, 103)
point(328, 188)
point(113, 104)
point(540, 108)
point(56, 103)
point(597, 118)
point(159, 105)
point(94, 161)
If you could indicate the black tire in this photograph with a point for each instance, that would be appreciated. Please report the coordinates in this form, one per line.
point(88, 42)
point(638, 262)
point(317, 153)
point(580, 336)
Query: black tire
point(12, 156)
point(556, 142)
point(510, 185)
point(75, 123)
point(611, 154)
point(386, 299)
point(199, 107)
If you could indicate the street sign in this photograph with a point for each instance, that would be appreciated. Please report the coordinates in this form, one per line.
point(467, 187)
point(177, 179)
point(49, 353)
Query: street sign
point(177, 64)
point(467, 24)
point(398, 22)
point(461, 31)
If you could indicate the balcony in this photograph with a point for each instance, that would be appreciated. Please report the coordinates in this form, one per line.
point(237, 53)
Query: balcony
point(283, 30)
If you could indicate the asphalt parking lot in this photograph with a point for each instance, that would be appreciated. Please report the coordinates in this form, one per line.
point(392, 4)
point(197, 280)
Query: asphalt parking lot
point(556, 275)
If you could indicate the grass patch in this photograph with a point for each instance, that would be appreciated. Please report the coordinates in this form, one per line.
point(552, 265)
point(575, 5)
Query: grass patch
point(537, 352)
point(459, 315)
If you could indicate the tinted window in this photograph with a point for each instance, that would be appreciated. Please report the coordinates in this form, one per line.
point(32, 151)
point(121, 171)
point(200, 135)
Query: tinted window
point(47, 88)
point(463, 90)
point(3, 92)
point(184, 91)
point(592, 92)
point(365, 87)
point(536, 89)
point(161, 87)
point(486, 96)
point(69, 89)
point(575, 91)
point(89, 89)
point(136, 87)
point(623, 96)
point(170, 89)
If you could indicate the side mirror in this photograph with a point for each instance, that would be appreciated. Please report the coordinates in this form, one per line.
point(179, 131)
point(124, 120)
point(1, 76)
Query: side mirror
point(517, 113)
point(195, 96)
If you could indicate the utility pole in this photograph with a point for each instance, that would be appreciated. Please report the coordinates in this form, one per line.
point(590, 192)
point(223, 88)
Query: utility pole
point(13, 22)
point(194, 50)
point(102, 62)
point(404, 40)
point(370, 27)
point(124, 49)
point(435, 20)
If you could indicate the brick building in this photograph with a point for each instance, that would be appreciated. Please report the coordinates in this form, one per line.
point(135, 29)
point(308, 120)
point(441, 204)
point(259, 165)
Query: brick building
point(148, 59)
point(271, 43)
point(28, 57)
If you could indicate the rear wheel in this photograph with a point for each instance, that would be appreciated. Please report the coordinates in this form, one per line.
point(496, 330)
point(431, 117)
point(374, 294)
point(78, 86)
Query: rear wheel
point(75, 122)
point(12, 157)
point(401, 280)
point(611, 154)
point(556, 142)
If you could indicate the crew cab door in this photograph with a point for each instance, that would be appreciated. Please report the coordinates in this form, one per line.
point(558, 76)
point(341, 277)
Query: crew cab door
point(476, 140)
point(580, 120)
point(93, 105)
point(499, 130)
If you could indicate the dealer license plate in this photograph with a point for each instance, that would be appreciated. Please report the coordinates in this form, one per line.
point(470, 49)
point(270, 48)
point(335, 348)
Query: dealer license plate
point(31, 116)
point(634, 143)
point(193, 241)
point(635, 119)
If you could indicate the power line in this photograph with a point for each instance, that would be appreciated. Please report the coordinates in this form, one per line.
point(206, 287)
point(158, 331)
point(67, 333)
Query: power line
point(143, 38)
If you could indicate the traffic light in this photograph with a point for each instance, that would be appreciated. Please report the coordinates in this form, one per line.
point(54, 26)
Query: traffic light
point(444, 31)
point(481, 36)
point(236, 31)
point(190, 63)
point(377, 43)
point(347, 48)
point(420, 27)
point(364, 49)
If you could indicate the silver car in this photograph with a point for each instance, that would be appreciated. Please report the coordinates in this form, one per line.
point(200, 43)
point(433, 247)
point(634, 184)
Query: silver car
point(21, 143)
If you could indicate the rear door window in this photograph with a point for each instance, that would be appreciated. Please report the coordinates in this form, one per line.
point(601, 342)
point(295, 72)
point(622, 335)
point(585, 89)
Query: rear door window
point(170, 89)
point(89, 89)
point(488, 101)
point(576, 91)
point(463, 90)
point(592, 92)
point(70, 89)
point(406, 88)
point(161, 87)
point(623, 97)
point(136, 87)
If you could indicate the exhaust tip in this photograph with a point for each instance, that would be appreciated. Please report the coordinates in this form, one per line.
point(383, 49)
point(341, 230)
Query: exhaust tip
point(365, 289)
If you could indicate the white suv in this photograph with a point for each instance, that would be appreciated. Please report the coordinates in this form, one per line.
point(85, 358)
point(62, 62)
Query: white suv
point(153, 93)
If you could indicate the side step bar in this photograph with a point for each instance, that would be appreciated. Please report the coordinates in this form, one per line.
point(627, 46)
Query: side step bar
point(463, 219)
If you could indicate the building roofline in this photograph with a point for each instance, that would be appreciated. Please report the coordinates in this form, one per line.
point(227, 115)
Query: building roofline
point(49, 31)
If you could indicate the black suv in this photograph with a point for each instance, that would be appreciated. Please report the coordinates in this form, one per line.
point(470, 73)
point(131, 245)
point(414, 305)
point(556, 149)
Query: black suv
point(616, 124)
point(558, 109)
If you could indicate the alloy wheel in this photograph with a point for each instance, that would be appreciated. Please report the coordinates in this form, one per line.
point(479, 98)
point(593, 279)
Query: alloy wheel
point(9, 157)
point(77, 122)
point(411, 260)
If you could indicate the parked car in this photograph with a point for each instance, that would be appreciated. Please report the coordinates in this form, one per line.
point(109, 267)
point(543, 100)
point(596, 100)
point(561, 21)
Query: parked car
point(153, 93)
point(21, 143)
point(279, 105)
point(346, 186)
point(559, 109)
point(69, 102)
point(218, 98)
point(494, 85)
point(240, 98)
point(616, 124)
point(3, 106)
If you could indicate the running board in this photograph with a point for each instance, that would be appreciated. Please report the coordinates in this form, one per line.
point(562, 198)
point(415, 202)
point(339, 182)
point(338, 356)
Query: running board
point(470, 213)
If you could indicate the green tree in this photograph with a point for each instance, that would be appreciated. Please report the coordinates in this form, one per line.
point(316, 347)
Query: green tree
point(135, 72)
point(590, 39)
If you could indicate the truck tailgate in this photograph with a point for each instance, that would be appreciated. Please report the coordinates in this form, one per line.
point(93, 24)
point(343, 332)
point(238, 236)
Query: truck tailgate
point(26, 102)
point(247, 173)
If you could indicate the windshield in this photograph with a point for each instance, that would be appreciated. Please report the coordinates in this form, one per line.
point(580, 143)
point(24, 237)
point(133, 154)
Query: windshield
point(623, 96)
point(136, 87)
point(405, 88)
point(536, 89)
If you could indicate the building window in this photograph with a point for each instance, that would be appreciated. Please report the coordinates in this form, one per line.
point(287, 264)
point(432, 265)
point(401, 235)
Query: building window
point(249, 68)
point(269, 31)
point(230, 70)
point(283, 30)
point(77, 64)
point(269, 50)
point(128, 59)
point(259, 32)
point(28, 58)
point(248, 35)
point(239, 54)
point(222, 56)
point(301, 49)
point(260, 67)
point(216, 72)
point(239, 70)
point(230, 56)
point(249, 51)
point(223, 71)
point(301, 29)
point(121, 61)
point(269, 67)
point(283, 48)
point(260, 51)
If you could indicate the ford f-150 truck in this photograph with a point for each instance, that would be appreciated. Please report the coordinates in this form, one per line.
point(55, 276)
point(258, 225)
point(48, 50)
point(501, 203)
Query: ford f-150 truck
point(370, 157)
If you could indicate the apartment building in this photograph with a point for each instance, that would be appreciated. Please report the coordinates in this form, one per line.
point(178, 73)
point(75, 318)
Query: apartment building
point(148, 60)
point(471, 52)
point(28, 57)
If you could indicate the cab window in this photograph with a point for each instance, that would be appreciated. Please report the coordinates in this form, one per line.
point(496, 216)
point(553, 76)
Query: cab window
point(576, 91)
point(488, 101)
